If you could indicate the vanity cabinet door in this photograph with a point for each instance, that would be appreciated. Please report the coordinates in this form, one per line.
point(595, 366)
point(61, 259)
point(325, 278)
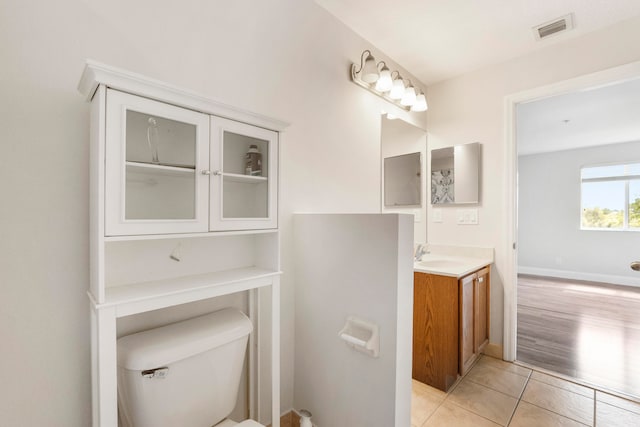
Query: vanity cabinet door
point(244, 182)
point(155, 156)
point(468, 348)
point(435, 330)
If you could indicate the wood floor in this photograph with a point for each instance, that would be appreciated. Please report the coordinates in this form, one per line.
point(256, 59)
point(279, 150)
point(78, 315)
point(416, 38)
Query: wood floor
point(589, 331)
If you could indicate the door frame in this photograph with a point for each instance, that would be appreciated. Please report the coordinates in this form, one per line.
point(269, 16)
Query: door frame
point(588, 81)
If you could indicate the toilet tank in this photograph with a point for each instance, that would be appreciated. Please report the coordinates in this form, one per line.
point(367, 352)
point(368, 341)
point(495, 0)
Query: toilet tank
point(184, 374)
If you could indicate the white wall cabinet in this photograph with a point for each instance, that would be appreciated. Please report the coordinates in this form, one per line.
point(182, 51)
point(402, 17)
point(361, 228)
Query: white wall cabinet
point(174, 170)
point(175, 219)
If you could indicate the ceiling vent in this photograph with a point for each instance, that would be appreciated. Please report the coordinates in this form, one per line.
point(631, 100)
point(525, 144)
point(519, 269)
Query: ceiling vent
point(548, 29)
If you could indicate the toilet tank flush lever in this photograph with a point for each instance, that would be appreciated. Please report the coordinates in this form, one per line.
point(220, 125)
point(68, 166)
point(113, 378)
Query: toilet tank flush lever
point(159, 373)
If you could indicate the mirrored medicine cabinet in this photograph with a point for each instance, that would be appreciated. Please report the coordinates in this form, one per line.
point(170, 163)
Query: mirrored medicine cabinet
point(402, 180)
point(455, 174)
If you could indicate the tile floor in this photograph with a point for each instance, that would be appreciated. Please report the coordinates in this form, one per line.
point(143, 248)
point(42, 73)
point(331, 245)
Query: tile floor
point(496, 393)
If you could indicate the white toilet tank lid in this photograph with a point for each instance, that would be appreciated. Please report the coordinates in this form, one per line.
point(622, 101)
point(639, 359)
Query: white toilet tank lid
point(167, 344)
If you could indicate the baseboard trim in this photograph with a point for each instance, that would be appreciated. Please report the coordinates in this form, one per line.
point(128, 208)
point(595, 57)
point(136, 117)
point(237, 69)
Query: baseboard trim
point(577, 275)
point(493, 350)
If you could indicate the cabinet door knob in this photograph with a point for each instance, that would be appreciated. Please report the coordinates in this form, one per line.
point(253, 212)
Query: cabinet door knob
point(217, 173)
point(205, 172)
point(480, 279)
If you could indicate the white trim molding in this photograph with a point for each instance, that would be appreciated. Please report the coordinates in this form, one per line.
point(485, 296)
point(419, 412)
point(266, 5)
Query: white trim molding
point(95, 74)
point(580, 275)
point(589, 81)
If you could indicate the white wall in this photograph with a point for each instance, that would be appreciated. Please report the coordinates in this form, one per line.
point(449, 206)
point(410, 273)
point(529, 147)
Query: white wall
point(471, 108)
point(285, 58)
point(549, 235)
point(353, 265)
point(398, 137)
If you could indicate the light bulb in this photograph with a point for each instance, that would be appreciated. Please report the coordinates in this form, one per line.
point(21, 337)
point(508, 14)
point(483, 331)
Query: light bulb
point(409, 97)
point(369, 72)
point(420, 104)
point(397, 90)
point(384, 81)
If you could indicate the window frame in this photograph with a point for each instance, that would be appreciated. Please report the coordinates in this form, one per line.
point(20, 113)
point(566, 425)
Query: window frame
point(613, 178)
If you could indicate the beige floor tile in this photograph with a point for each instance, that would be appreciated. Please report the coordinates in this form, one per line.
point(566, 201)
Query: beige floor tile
point(560, 401)
point(564, 384)
point(451, 415)
point(528, 415)
point(424, 402)
point(419, 387)
point(483, 401)
point(498, 379)
point(618, 401)
point(501, 364)
point(612, 416)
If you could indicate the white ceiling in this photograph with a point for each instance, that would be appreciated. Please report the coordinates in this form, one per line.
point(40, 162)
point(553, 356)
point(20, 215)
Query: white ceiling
point(438, 39)
point(599, 116)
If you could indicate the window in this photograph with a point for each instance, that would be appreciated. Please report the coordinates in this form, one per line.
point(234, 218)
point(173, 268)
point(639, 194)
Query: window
point(611, 197)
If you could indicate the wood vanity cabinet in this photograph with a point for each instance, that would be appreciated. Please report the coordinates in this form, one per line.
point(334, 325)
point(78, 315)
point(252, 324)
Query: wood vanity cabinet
point(450, 325)
point(435, 329)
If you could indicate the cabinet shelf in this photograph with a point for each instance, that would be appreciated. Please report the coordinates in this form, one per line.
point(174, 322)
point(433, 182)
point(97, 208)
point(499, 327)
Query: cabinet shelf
point(145, 296)
point(138, 237)
point(249, 179)
point(163, 169)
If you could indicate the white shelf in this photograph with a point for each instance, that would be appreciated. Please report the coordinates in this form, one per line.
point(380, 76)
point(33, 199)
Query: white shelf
point(145, 296)
point(188, 235)
point(248, 179)
point(160, 169)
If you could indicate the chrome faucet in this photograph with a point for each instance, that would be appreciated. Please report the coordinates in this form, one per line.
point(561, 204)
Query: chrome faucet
point(421, 250)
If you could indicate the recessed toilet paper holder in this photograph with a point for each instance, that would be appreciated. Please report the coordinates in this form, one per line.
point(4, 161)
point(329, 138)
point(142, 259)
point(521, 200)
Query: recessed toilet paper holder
point(363, 336)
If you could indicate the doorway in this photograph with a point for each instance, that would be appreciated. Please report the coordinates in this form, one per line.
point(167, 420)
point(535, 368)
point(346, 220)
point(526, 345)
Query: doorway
point(556, 195)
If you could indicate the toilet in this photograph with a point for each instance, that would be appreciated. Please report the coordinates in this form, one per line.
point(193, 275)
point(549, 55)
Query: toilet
point(184, 374)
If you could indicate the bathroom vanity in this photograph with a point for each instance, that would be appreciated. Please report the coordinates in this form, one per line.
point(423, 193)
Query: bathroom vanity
point(450, 315)
point(177, 217)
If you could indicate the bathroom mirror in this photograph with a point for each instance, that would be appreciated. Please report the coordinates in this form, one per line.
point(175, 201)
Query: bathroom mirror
point(402, 180)
point(404, 142)
point(455, 174)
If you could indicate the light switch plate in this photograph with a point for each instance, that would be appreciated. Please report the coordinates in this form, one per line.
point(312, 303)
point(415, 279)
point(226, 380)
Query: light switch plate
point(467, 216)
point(436, 215)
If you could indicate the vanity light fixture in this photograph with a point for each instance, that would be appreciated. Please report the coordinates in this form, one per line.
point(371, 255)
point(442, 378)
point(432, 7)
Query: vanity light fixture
point(397, 89)
point(379, 80)
point(420, 104)
point(409, 97)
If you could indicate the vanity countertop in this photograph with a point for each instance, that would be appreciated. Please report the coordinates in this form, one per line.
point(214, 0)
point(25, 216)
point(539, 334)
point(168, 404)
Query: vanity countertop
point(453, 261)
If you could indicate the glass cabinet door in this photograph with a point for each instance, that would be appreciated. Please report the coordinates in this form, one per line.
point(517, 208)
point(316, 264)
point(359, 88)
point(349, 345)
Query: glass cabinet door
point(156, 155)
point(244, 182)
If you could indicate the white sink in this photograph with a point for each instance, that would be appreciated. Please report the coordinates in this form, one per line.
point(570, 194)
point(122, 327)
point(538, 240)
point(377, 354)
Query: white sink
point(450, 265)
point(454, 261)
